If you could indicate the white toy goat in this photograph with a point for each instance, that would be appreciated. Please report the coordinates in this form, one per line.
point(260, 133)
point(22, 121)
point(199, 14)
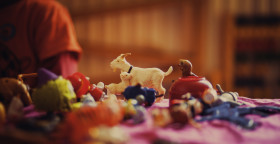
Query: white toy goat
point(146, 77)
point(115, 89)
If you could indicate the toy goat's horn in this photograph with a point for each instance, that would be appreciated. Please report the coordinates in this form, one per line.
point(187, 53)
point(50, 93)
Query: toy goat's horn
point(126, 54)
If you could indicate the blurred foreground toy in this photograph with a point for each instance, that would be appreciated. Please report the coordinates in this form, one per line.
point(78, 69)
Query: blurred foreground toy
point(147, 77)
point(104, 134)
point(120, 87)
point(223, 96)
point(54, 94)
point(134, 111)
point(135, 92)
point(188, 83)
point(77, 123)
point(236, 114)
point(11, 87)
point(96, 91)
point(82, 86)
point(80, 83)
point(180, 112)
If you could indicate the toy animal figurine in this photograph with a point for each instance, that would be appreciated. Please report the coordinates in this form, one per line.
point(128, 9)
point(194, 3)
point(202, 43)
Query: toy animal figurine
point(120, 87)
point(226, 96)
point(146, 77)
point(11, 87)
point(186, 68)
point(189, 83)
point(135, 92)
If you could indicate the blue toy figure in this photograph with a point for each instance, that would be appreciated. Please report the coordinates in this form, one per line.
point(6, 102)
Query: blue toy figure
point(236, 114)
point(131, 92)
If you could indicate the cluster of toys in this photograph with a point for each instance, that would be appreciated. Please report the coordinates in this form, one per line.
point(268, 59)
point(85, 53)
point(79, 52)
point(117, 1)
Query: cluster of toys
point(76, 110)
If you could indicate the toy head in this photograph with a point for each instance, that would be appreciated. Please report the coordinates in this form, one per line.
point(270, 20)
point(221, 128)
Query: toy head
point(119, 62)
point(125, 76)
point(185, 67)
point(11, 87)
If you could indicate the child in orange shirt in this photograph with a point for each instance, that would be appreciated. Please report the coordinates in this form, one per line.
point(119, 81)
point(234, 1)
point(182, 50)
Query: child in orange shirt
point(34, 34)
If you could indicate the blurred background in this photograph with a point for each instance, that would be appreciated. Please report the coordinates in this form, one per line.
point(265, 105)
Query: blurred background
point(235, 43)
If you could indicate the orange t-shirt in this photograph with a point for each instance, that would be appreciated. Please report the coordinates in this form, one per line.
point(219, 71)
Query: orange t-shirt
point(33, 31)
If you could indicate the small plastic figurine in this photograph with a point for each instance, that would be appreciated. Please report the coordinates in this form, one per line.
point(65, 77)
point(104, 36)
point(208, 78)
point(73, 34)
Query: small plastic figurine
point(235, 114)
point(186, 68)
point(11, 87)
point(180, 112)
point(226, 96)
point(80, 83)
point(119, 88)
point(135, 92)
point(146, 77)
point(189, 83)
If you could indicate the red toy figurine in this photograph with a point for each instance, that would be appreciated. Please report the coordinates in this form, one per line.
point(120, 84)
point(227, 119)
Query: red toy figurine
point(188, 83)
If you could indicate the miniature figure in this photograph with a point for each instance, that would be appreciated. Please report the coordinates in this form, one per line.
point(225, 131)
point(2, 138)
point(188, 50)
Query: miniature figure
point(80, 83)
point(134, 92)
point(96, 92)
point(236, 114)
point(226, 96)
point(11, 87)
point(120, 87)
point(146, 77)
point(186, 68)
point(189, 83)
point(180, 112)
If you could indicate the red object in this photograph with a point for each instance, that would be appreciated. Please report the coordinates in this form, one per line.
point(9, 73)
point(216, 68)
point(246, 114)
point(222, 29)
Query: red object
point(192, 84)
point(80, 83)
point(95, 92)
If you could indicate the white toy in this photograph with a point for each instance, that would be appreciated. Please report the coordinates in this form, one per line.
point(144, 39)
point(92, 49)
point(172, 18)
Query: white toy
point(116, 89)
point(146, 77)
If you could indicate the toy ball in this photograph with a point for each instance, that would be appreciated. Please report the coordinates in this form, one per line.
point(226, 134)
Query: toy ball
point(140, 99)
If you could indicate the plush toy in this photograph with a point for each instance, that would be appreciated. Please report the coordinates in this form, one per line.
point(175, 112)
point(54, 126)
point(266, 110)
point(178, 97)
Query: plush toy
point(11, 87)
point(54, 93)
point(146, 77)
point(133, 92)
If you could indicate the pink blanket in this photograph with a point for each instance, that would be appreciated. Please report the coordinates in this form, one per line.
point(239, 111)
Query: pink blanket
point(215, 132)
